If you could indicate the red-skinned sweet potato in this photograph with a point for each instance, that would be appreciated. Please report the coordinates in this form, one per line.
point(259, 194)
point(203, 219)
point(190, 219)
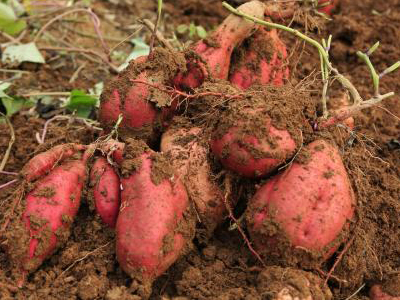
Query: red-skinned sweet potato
point(377, 293)
point(145, 109)
point(260, 60)
point(305, 207)
point(105, 185)
point(386, 290)
point(212, 56)
point(251, 153)
point(189, 156)
point(153, 226)
point(44, 162)
point(50, 208)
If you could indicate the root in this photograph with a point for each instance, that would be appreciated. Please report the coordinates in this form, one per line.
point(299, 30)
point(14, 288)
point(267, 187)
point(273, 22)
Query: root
point(175, 94)
point(339, 258)
point(228, 189)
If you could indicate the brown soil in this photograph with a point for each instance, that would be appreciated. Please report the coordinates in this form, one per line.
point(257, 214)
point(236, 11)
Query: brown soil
point(223, 267)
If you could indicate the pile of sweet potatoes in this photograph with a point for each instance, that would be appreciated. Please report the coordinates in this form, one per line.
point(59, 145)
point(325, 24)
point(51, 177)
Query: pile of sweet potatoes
point(183, 137)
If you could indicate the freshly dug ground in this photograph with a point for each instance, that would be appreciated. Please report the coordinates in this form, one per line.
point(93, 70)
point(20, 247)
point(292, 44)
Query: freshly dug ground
point(223, 267)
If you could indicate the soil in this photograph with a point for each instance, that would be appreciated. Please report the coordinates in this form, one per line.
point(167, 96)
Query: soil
point(223, 267)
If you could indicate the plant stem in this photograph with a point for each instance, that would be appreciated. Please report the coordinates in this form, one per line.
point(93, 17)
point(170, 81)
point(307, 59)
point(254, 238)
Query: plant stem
point(10, 143)
point(153, 36)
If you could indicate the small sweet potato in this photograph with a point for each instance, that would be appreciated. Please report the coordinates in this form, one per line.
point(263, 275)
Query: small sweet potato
point(49, 210)
point(291, 284)
point(212, 55)
point(260, 60)
point(105, 185)
point(387, 290)
point(250, 145)
point(189, 156)
point(377, 293)
point(153, 226)
point(305, 207)
point(145, 109)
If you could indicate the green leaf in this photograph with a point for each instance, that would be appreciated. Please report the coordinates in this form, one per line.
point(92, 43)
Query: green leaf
point(9, 22)
point(141, 48)
point(15, 104)
point(201, 32)
point(15, 54)
point(81, 103)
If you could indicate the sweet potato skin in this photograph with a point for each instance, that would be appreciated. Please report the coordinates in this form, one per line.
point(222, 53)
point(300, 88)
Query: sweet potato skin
point(148, 239)
point(43, 163)
point(216, 51)
point(106, 190)
point(234, 150)
point(262, 62)
point(49, 211)
point(307, 205)
point(377, 293)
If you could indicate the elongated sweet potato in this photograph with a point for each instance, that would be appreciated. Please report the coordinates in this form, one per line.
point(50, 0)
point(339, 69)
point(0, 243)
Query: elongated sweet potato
point(105, 185)
point(50, 208)
point(305, 207)
point(260, 60)
point(153, 227)
point(211, 57)
point(189, 156)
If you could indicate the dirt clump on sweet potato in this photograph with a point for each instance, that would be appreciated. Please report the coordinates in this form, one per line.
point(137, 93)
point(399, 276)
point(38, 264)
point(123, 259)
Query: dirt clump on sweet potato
point(144, 108)
point(291, 284)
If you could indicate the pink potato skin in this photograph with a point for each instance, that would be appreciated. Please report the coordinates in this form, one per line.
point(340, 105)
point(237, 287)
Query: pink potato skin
point(240, 160)
point(227, 36)
point(137, 111)
point(376, 293)
point(43, 162)
point(51, 206)
point(106, 190)
point(271, 70)
point(311, 203)
point(147, 239)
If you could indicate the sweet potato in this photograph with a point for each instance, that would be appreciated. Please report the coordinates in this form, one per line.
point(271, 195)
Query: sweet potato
point(105, 185)
point(189, 156)
point(305, 207)
point(387, 290)
point(260, 60)
point(247, 142)
point(211, 57)
point(145, 109)
point(291, 284)
point(377, 293)
point(153, 226)
point(44, 162)
point(49, 210)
